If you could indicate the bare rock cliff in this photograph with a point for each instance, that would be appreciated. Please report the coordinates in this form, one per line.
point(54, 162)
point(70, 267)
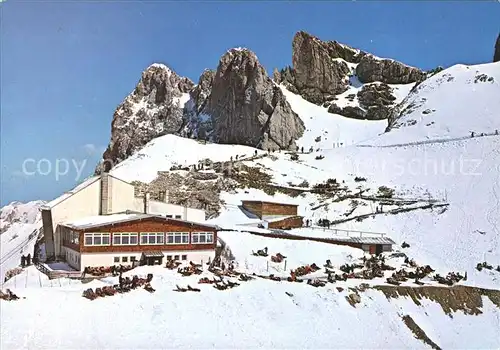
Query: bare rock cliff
point(247, 107)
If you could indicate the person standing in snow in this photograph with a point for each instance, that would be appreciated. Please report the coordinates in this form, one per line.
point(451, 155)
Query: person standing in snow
point(28, 260)
point(23, 261)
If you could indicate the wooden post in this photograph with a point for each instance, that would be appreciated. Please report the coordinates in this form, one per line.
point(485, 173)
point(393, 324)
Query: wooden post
point(285, 265)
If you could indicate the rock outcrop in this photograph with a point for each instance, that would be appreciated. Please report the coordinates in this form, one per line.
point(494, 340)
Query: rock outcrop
point(371, 69)
point(154, 108)
point(375, 103)
point(247, 107)
point(324, 69)
point(496, 56)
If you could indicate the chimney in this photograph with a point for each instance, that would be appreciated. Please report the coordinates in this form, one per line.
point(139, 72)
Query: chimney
point(146, 203)
point(105, 194)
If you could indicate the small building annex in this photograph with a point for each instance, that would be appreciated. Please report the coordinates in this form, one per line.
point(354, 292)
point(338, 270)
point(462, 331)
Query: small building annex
point(129, 238)
point(274, 215)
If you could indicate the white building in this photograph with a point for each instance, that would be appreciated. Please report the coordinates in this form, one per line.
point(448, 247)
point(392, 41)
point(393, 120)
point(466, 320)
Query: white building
point(103, 195)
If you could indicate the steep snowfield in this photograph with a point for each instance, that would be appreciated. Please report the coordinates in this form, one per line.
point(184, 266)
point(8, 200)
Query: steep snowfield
point(449, 105)
point(332, 128)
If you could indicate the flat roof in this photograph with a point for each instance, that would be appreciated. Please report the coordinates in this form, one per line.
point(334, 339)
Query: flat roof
point(107, 220)
point(275, 218)
point(270, 202)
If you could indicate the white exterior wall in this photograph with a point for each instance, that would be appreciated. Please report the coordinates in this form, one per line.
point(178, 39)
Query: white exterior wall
point(107, 259)
point(162, 208)
point(84, 203)
point(121, 195)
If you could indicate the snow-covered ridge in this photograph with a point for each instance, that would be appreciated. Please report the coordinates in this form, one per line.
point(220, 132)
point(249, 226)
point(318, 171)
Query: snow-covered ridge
point(449, 105)
point(24, 213)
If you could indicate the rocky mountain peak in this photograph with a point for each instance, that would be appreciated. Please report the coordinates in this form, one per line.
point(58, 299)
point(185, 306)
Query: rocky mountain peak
point(246, 106)
point(496, 56)
point(154, 108)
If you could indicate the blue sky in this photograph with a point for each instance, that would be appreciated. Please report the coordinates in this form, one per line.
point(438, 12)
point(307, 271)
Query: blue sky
point(65, 66)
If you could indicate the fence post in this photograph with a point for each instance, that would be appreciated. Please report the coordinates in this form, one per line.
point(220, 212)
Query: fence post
point(267, 262)
point(285, 264)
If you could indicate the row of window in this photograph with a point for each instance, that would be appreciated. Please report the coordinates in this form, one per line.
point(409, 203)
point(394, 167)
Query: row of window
point(148, 238)
point(125, 259)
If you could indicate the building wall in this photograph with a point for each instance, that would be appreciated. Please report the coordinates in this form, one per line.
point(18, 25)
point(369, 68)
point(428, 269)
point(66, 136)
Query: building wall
point(278, 209)
point(293, 222)
point(121, 195)
point(108, 259)
point(253, 207)
point(84, 203)
point(148, 226)
point(263, 208)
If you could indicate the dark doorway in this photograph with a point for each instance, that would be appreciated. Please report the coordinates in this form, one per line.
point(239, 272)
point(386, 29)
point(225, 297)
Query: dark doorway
point(152, 258)
point(378, 249)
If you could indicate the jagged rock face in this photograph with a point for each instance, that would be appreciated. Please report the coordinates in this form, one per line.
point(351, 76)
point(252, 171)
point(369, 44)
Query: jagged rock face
point(197, 124)
point(154, 108)
point(247, 108)
point(496, 56)
point(201, 91)
point(371, 69)
point(316, 73)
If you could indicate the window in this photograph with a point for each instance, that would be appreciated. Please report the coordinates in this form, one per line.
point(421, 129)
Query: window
point(161, 196)
point(116, 259)
point(132, 258)
point(152, 238)
point(202, 238)
point(169, 257)
point(177, 237)
point(125, 238)
point(124, 259)
point(184, 257)
point(176, 257)
point(97, 239)
point(71, 236)
point(169, 216)
point(178, 216)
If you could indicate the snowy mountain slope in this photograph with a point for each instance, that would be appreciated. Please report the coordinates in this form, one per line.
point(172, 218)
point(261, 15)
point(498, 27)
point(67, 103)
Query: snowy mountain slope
point(463, 174)
point(18, 221)
point(256, 314)
point(449, 105)
point(166, 151)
